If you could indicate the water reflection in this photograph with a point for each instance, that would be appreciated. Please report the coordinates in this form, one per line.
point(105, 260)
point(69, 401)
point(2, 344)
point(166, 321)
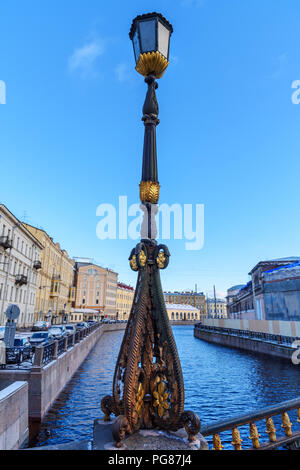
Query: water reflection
point(219, 383)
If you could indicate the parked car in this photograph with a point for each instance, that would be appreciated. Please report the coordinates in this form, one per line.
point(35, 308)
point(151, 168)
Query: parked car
point(62, 329)
point(81, 326)
point(21, 351)
point(106, 320)
point(41, 338)
point(56, 332)
point(40, 326)
point(70, 329)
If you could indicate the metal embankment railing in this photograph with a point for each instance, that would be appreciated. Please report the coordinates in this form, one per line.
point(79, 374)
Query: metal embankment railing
point(48, 353)
point(256, 335)
point(251, 419)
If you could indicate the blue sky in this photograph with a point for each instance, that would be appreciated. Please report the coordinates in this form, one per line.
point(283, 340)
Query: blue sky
point(72, 136)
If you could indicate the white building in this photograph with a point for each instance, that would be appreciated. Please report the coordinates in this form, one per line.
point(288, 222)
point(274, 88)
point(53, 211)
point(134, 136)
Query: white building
point(20, 254)
point(182, 312)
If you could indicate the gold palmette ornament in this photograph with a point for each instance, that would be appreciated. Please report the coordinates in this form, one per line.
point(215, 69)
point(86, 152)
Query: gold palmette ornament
point(152, 63)
point(254, 436)
point(271, 430)
point(286, 424)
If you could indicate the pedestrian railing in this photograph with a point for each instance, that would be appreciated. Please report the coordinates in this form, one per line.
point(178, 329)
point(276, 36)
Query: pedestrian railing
point(283, 435)
point(61, 346)
point(256, 335)
point(70, 341)
point(46, 354)
point(43, 355)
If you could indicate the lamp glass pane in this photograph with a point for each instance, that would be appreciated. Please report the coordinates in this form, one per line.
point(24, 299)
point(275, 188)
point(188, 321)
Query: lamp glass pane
point(148, 35)
point(163, 40)
point(136, 45)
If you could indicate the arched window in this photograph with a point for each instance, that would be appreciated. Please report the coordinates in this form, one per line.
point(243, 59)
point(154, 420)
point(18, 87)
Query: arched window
point(176, 315)
point(172, 315)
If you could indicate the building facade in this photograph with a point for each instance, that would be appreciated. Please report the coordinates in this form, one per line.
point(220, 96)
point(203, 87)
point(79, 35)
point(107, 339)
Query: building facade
point(96, 289)
point(111, 294)
point(216, 308)
point(125, 295)
point(20, 262)
point(183, 312)
point(272, 294)
point(194, 299)
point(56, 288)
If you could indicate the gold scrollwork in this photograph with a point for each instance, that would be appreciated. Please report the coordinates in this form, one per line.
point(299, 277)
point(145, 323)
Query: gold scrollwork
point(161, 259)
point(236, 439)
point(271, 430)
point(254, 436)
point(286, 424)
point(217, 442)
point(133, 263)
point(161, 399)
point(139, 400)
point(152, 63)
point(142, 258)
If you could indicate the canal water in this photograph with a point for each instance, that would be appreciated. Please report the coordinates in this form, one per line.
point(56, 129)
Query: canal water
point(219, 382)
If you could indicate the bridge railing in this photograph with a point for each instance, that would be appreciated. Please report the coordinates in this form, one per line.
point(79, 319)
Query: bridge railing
point(256, 335)
point(251, 419)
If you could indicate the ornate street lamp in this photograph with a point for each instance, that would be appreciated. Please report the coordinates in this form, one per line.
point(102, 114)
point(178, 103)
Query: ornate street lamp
point(148, 389)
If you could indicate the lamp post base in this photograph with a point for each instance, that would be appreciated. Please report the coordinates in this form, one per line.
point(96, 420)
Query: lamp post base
point(146, 439)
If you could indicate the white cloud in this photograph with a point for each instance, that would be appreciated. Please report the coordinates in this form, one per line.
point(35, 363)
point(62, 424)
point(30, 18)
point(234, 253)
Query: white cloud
point(122, 72)
point(84, 59)
point(125, 73)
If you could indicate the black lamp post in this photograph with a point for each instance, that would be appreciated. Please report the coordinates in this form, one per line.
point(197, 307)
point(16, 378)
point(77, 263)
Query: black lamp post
point(148, 389)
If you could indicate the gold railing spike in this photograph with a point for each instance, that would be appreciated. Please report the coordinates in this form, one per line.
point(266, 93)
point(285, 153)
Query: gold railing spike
point(236, 439)
point(286, 424)
point(217, 442)
point(271, 430)
point(254, 436)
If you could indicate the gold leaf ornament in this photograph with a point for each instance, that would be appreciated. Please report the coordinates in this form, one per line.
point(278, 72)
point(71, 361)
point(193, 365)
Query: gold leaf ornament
point(139, 400)
point(161, 397)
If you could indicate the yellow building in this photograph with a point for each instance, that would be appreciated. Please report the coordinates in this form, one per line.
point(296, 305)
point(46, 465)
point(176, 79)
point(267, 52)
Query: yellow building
point(125, 295)
point(182, 312)
point(195, 299)
point(96, 288)
point(216, 308)
point(56, 291)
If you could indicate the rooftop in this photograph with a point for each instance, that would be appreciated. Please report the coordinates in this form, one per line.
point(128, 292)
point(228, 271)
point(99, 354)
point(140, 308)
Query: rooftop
point(181, 307)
